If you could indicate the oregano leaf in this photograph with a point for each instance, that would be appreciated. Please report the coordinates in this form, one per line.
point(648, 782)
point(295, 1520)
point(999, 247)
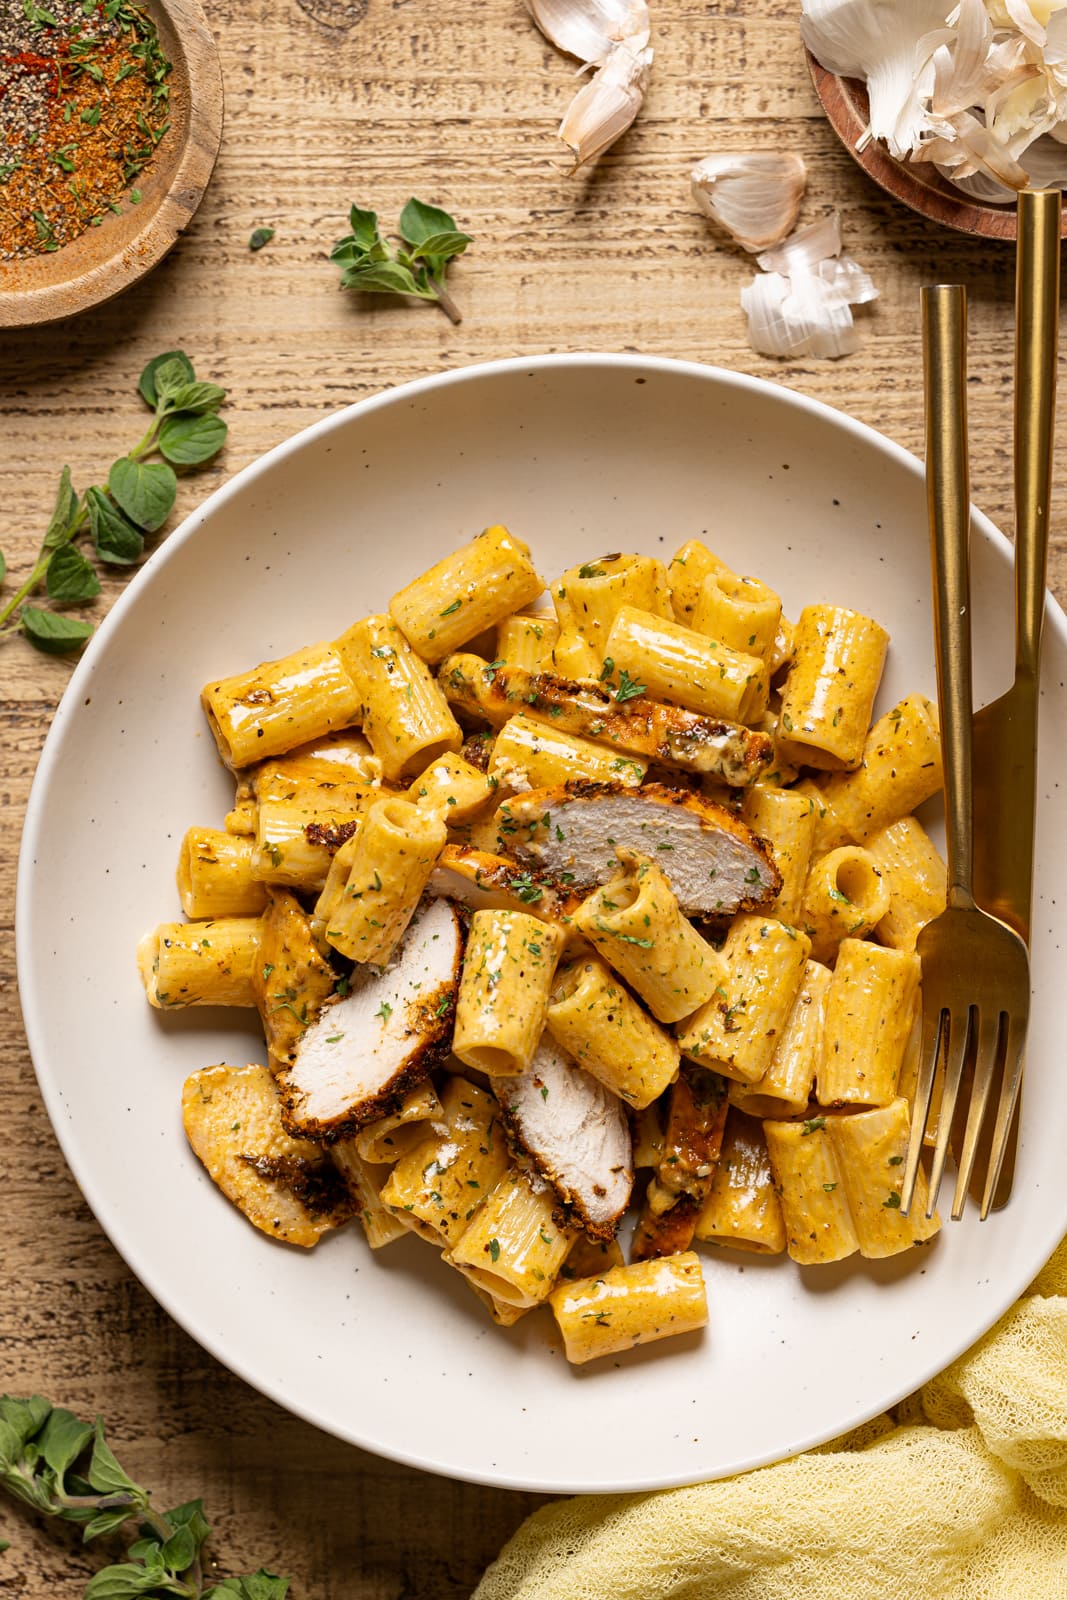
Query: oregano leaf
point(64, 1436)
point(115, 538)
point(52, 632)
point(71, 578)
point(419, 222)
point(189, 441)
point(173, 376)
point(146, 491)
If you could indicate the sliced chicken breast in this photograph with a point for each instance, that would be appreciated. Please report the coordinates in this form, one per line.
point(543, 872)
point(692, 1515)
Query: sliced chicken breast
point(288, 1188)
point(669, 734)
point(493, 883)
point(576, 1133)
point(716, 865)
point(366, 1051)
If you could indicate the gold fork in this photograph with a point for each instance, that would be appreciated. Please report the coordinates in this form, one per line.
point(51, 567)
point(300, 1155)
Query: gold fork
point(975, 969)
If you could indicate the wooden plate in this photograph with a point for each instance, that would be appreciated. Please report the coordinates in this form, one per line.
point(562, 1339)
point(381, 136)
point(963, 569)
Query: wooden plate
point(105, 260)
point(921, 187)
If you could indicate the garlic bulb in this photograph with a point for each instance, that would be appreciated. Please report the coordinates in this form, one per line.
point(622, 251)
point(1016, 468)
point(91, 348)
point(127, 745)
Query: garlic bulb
point(976, 87)
point(754, 195)
point(612, 36)
point(801, 303)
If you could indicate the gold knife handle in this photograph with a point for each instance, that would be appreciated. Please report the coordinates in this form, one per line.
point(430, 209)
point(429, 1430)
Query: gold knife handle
point(948, 498)
point(1037, 304)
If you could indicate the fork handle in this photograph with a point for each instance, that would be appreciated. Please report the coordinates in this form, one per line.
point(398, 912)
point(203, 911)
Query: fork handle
point(1037, 302)
point(948, 498)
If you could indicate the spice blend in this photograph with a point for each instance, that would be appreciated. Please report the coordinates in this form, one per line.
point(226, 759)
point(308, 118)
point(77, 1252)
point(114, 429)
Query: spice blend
point(83, 106)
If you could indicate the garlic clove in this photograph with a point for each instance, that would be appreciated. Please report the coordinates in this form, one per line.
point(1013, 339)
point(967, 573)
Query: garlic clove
point(589, 29)
point(606, 106)
point(754, 195)
point(848, 279)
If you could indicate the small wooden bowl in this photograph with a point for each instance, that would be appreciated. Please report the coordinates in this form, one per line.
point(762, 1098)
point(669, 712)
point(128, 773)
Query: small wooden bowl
point(921, 187)
point(103, 261)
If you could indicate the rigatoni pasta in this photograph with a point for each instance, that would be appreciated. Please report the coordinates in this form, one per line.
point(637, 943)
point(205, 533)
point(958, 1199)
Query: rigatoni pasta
point(747, 1051)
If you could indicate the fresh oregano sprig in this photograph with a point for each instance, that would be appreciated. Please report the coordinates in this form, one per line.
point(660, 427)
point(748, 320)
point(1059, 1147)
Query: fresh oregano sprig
point(186, 431)
point(63, 1467)
point(428, 240)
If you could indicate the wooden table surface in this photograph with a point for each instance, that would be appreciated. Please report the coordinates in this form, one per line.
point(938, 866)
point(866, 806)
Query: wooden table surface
point(330, 102)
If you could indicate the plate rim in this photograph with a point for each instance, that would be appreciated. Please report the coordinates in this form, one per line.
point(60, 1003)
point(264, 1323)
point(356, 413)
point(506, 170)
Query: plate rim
point(140, 1263)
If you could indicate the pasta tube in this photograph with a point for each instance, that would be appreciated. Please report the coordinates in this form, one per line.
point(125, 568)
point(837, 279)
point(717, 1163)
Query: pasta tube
point(686, 572)
point(909, 863)
point(635, 924)
point(631, 1305)
point(587, 601)
point(596, 1021)
point(818, 1222)
point(785, 821)
point(737, 1031)
point(533, 755)
point(405, 714)
point(740, 612)
point(452, 788)
point(504, 989)
point(513, 1248)
point(830, 830)
point(392, 1136)
point(670, 662)
point(215, 875)
point(901, 767)
point(365, 1181)
point(438, 1186)
point(742, 1208)
point(280, 704)
point(871, 1148)
point(868, 1019)
point(785, 1088)
point(527, 641)
point(467, 592)
point(838, 656)
point(845, 897)
point(295, 835)
point(201, 963)
point(395, 852)
point(292, 979)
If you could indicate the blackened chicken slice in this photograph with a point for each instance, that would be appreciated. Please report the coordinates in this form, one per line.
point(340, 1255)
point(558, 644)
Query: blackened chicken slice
point(486, 882)
point(576, 1133)
point(716, 865)
point(363, 1054)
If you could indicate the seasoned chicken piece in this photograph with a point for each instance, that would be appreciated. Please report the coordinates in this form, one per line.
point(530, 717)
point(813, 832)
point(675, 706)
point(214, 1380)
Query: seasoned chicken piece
point(292, 980)
point(368, 1049)
point(286, 1187)
point(697, 1106)
point(493, 883)
point(576, 1133)
point(668, 734)
point(716, 865)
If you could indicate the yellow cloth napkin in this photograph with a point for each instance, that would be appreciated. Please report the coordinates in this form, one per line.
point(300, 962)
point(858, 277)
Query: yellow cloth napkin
point(962, 1494)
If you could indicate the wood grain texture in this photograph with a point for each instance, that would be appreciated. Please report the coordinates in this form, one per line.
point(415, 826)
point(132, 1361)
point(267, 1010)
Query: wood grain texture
point(331, 101)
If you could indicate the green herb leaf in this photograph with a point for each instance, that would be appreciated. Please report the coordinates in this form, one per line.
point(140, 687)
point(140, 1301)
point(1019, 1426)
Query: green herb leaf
point(260, 237)
point(628, 689)
point(196, 397)
point(260, 1585)
point(364, 225)
point(383, 277)
point(146, 491)
point(105, 1474)
point(3, 567)
point(189, 440)
point(71, 577)
point(63, 516)
point(420, 222)
point(116, 539)
point(62, 1440)
point(164, 374)
point(122, 1582)
point(105, 1522)
point(53, 633)
point(19, 1421)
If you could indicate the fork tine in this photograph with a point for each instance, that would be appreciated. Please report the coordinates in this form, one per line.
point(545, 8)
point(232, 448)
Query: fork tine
point(958, 1032)
point(1009, 1094)
point(929, 1049)
point(981, 1086)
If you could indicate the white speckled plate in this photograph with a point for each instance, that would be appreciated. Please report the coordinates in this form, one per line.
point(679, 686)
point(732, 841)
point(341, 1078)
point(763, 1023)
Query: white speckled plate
point(577, 454)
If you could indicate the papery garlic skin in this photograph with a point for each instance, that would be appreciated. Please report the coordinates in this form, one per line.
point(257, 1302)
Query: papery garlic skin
point(754, 195)
point(801, 303)
point(612, 36)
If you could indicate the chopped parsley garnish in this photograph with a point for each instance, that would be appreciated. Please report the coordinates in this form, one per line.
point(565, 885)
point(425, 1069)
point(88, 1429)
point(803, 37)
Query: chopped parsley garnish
point(628, 689)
